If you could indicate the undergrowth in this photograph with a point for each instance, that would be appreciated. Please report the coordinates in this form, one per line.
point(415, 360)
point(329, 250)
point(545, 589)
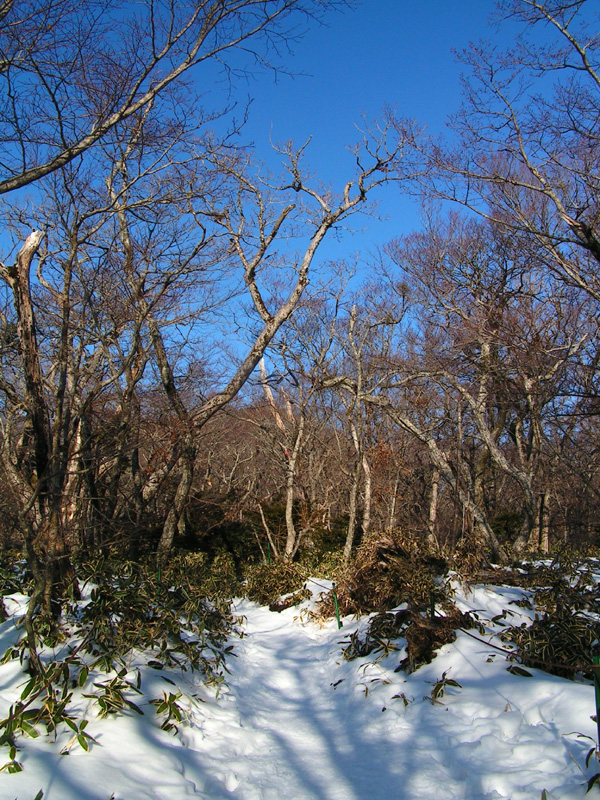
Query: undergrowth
point(562, 593)
point(565, 632)
point(388, 571)
point(420, 635)
point(130, 615)
point(267, 583)
point(175, 620)
point(179, 620)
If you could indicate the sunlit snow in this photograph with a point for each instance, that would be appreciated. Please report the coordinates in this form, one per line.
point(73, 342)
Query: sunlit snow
point(298, 722)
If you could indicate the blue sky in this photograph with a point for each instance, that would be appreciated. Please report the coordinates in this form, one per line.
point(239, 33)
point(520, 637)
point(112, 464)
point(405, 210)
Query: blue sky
point(395, 52)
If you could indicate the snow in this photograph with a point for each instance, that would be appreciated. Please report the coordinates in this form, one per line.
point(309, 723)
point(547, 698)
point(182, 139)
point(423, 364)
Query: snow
point(296, 721)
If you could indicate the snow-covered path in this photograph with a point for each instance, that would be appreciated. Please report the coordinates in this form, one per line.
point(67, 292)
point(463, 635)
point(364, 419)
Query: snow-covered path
point(314, 737)
point(315, 727)
point(298, 722)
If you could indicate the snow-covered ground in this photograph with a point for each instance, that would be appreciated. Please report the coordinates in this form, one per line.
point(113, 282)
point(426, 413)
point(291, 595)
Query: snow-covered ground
point(297, 721)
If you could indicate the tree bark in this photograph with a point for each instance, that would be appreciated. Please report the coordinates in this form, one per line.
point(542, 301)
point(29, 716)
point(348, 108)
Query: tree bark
point(291, 544)
point(433, 508)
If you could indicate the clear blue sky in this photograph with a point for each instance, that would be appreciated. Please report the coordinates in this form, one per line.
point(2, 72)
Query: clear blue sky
point(395, 52)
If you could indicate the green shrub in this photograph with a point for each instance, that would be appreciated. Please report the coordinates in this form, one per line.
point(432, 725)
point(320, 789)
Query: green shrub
point(387, 571)
point(565, 597)
point(423, 635)
point(215, 578)
point(382, 630)
point(327, 564)
point(507, 525)
point(560, 642)
point(266, 583)
point(132, 608)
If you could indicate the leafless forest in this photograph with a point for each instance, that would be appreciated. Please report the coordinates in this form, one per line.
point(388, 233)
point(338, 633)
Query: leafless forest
point(179, 369)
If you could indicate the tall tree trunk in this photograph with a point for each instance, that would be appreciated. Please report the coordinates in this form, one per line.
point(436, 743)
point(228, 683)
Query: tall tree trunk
point(187, 459)
point(48, 457)
point(539, 539)
point(393, 504)
point(138, 502)
point(545, 522)
point(291, 544)
point(352, 511)
point(368, 496)
point(433, 508)
point(441, 462)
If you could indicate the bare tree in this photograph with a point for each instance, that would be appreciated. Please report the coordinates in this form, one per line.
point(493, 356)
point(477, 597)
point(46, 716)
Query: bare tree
point(367, 337)
point(301, 356)
point(527, 145)
point(72, 72)
point(506, 337)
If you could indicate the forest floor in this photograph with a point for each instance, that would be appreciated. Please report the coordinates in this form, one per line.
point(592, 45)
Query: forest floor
point(297, 721)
